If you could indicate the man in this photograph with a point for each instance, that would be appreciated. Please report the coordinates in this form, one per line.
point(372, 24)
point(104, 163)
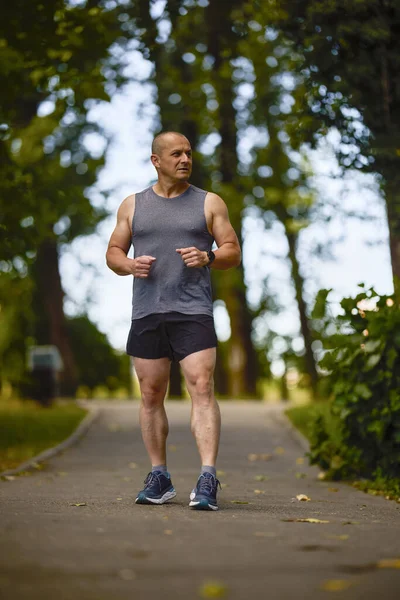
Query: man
point(172, 226)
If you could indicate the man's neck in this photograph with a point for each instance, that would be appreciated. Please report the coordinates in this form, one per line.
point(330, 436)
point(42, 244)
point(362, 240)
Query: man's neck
point(170, 189)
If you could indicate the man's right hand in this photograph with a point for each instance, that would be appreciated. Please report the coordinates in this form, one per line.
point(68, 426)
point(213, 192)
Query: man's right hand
point(142, 266)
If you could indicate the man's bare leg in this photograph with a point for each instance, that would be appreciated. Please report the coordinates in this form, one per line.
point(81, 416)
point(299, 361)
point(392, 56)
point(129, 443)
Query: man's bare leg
point(198, 369)
point(153, 379)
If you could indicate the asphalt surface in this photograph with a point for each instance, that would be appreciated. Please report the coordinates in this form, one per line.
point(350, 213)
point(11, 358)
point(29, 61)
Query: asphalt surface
point(253, 547)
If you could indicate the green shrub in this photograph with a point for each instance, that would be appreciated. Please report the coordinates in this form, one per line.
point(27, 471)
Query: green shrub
point(362, 358)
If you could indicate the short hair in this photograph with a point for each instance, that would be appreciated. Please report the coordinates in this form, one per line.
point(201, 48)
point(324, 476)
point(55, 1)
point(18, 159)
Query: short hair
point(157, 146)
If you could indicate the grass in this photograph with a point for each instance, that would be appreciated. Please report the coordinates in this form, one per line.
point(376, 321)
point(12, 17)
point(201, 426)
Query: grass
point(301, 417)
point(26, 429)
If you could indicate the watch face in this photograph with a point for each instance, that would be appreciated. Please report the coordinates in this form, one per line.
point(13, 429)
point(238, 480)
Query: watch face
point(211, 256)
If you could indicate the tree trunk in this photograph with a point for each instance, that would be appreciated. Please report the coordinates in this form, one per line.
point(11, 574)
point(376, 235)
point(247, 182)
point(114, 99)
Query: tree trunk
point(389, 168)
point(50, 327)
point(230, 286)
point(392, 205)
point(304, 326)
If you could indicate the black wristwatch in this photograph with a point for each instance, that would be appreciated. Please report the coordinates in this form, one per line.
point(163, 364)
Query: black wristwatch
point(211, 257)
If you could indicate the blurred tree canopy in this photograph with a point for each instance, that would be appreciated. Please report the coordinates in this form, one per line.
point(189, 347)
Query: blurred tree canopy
point(348, 72)
point(251, 83)
point(57, 60)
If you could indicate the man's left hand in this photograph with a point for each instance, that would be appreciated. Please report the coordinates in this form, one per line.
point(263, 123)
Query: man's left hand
point(192, 257)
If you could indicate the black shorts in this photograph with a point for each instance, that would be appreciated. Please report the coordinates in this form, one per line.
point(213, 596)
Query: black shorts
point(170, 335)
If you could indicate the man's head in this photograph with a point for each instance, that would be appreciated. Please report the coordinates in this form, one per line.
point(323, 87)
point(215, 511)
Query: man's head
point(171, 155)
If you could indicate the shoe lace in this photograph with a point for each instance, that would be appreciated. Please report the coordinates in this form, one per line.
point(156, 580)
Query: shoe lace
point(208, 484)
point(151, 478)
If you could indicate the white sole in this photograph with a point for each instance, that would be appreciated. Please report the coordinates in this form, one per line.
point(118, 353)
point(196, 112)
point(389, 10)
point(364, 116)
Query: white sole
point(167, 496)
point(210, 506)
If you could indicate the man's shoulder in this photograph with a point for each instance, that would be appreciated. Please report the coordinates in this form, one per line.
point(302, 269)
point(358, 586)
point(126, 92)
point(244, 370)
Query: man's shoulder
point(144, 191)
point(213, 199)
point(197, 190)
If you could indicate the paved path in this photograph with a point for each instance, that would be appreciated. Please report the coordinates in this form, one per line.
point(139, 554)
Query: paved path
point(111, 548)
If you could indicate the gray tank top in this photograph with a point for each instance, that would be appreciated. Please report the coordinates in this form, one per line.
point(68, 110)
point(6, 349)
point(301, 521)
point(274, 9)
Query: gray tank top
point(160, 226)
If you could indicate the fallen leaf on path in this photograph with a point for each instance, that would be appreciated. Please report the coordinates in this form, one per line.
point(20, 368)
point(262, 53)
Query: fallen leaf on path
point(126, 479)
point(8, 477)
point(300, 460)
point(261, 478)
point(62, 473)
point(119, 498)
point(79, 504)
point(254, 457)
point(259, 492)
point(168, 531)
point(336, 585)
point(265, 457)
point(321, 475)
point(309, 520)
point(279, 450)
point(239, 502)
point(114, 427)
point(300, 475)
point(165, 518)
point(221, 473)
point(303, 498)
point(338, 537)
point(213, 589)
point(132, 465)
point(172, 448)
point(388, 563)
point(127, 574)
point(224, 485)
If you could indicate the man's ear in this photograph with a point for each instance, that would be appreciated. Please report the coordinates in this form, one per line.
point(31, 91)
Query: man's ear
point(155, 160)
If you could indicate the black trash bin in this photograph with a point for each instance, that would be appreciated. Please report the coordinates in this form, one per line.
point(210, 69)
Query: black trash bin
point(45, 363)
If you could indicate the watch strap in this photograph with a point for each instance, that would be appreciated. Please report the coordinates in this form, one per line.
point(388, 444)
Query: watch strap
point(211, 257)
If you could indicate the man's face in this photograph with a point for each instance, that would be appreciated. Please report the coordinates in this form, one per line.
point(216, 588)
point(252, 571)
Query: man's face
point(175, 158)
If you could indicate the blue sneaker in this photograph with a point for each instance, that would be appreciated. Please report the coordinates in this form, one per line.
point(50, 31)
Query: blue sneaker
point(204, 495)
point(157, 490)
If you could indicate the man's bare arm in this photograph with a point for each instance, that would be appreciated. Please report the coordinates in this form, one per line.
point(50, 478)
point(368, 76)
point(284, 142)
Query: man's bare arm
point(120, 242)
point(228, 253)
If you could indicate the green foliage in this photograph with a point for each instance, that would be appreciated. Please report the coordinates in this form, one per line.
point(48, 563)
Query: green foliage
point(97, 362)
point(58, 56)
point(15, 329)
point(362, 357)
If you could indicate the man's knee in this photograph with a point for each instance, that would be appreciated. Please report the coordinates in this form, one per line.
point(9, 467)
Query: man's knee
point(152, 394)
point(202, 387)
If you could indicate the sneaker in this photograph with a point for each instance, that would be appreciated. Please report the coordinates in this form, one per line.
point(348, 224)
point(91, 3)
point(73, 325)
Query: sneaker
point(204, 495)
point(157, 490)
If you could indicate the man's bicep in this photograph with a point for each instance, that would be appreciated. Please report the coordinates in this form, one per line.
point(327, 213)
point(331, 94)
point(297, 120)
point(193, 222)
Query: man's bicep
point(121, 237)
point(222, 229)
